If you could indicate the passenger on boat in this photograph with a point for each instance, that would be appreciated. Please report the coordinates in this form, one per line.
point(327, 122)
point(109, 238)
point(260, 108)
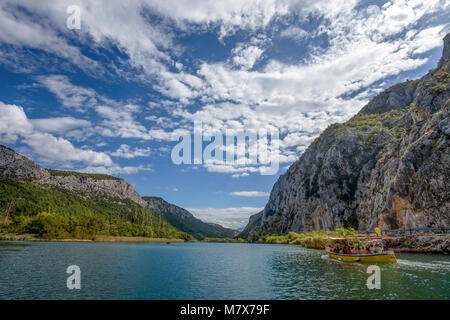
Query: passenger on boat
point(363, 250)
point(372, 248)
point(336, 247)
point(377, 249)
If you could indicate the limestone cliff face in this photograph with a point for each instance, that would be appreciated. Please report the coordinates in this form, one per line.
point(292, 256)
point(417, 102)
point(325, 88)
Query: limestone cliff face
point(14, 166)
point(17, 167)
point(98, 187)
point(409, 187)
point(389, 166)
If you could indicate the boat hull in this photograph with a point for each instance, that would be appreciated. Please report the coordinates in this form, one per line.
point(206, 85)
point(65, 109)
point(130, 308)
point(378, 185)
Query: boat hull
point(387, 256)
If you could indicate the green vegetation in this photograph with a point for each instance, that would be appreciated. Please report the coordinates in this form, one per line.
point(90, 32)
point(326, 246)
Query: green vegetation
point(9, 244)
point(81, 174)
point(439, 87)
point(442, 78)
point(313, 239)
point(253, 222)
point(57, 214)
point(410, 82)
point(369, 126)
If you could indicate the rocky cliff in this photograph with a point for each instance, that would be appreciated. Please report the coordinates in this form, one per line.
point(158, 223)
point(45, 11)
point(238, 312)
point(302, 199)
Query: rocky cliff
point(388, 166)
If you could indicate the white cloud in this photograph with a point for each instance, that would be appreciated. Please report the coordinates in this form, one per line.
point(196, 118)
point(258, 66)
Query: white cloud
point(246, 56)
point(59, 125)
point(68, 94)
point(251, 194)
point(228, 217)
point(295, 33)
point(59, 150)
point(244, 91)
point(17, 29)
point(124, 151)
point(13, 123)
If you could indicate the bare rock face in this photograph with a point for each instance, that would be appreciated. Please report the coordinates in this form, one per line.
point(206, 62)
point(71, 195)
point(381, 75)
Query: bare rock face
point(158, 204)
point(446, 53)
point(389, 166)
point(101, 188)
point(18, 167)
point(409, 187)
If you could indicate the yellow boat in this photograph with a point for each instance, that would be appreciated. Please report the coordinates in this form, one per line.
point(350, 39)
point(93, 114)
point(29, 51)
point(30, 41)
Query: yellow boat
point(384, 256)
point(387, 256)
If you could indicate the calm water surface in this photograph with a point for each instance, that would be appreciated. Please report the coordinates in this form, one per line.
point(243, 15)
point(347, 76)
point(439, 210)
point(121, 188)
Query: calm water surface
point(209, 271)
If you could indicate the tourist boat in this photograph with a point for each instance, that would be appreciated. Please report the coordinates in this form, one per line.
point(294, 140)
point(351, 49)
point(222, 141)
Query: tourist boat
point(385, 256)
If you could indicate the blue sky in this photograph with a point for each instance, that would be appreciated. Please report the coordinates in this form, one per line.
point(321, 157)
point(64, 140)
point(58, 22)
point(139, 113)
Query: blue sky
point(109, 97)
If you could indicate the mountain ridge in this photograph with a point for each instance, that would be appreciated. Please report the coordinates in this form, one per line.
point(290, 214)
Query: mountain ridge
point(16, 167)
point(185, 221)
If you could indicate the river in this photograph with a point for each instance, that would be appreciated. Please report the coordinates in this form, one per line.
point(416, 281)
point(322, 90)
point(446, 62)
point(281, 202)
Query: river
point(37, 270)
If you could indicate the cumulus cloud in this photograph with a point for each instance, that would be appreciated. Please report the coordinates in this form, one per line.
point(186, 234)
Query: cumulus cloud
point(69, 95)
point(295, 33)
point(245, 56)
point(59, 125)
point(249, 89)
point(13, 123)
point(17, 29)
point(49, 149)
point(59, 150)
point(124, 151)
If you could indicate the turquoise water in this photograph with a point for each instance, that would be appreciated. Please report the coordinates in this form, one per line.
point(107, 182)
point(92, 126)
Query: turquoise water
point(209, 271)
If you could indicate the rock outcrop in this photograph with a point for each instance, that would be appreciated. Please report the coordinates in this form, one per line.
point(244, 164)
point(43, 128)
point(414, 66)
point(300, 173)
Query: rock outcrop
point(17, 167)
point(388, 166)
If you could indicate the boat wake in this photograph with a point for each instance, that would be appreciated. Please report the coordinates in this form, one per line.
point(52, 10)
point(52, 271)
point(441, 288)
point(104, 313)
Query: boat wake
point(434, 265)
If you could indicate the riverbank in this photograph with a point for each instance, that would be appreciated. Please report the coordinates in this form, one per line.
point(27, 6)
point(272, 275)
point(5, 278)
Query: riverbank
point(419, 242)
point(31, 237)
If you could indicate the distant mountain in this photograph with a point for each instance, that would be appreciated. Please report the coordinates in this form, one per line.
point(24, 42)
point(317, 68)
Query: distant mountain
point(387, 167)
point(185, 221)
point(66, 204)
